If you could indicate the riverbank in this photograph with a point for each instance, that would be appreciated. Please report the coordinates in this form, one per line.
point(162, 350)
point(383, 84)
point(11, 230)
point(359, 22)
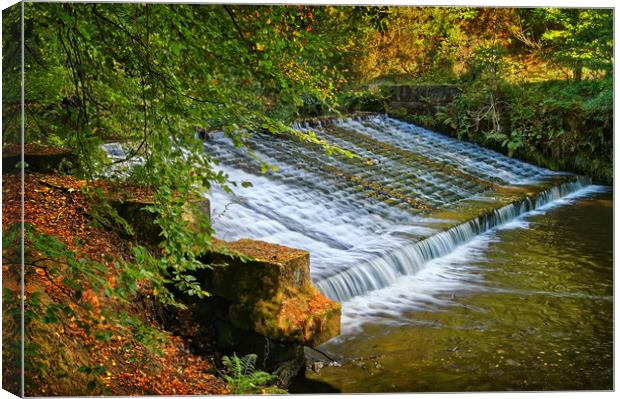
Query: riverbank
point(73, 344)
point(558, 125)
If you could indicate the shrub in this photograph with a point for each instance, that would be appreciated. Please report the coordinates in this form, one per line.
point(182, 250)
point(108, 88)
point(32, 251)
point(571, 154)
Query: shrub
point(557, 124)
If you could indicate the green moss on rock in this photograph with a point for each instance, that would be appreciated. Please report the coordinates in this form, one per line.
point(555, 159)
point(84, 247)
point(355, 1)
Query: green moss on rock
point(271, 292)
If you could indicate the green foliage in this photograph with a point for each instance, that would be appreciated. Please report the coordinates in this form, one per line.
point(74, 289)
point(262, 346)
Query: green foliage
point(103, 214)
point(149, 74)
point(77, 274)
point(488, 64)
point(559, 125)
point(145, 71)
point(243, 378)
point(369, 99)
point(579, 38)
point(37, 255)
point(12, 316)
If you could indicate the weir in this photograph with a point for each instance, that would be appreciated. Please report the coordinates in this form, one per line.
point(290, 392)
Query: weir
point(410, 195)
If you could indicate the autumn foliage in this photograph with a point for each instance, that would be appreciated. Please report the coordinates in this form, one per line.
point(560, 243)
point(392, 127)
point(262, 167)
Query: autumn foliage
point(108, 353)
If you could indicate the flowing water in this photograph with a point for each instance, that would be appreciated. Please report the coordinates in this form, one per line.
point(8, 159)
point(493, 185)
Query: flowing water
point(528, 306)
point(457, 267)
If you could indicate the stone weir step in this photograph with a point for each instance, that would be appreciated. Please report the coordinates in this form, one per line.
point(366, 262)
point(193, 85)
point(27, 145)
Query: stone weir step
point(270, 292)
point(452, 227)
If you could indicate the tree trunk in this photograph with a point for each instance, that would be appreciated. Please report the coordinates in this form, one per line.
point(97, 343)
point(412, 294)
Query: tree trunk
point(578, 72)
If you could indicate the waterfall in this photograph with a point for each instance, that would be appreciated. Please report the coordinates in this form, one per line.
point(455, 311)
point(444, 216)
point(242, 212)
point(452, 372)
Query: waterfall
point(409, 196)
point(382, 271)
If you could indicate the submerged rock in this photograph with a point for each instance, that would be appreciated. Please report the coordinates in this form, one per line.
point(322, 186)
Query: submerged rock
point(317, 366)
point(359, 363)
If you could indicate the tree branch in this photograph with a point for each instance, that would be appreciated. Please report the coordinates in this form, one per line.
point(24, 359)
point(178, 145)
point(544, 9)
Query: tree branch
point(231, 14)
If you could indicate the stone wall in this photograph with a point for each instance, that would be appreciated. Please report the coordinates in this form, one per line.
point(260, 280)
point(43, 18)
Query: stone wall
point(424, 99)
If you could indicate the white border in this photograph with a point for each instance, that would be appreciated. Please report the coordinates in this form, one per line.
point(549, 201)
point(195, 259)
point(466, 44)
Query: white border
point(484, 3)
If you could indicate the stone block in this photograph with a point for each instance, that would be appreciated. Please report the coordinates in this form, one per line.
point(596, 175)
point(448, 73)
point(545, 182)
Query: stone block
point(143, 221)
point(43, 159)
point(271, 292)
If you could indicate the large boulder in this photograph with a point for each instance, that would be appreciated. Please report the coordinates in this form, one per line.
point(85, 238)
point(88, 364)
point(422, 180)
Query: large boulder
point(270, 292)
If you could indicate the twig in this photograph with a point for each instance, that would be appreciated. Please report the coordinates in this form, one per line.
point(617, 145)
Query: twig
point(224, 210)
point(47, 273)
point(234, 20)
point(59, 213)
point(322, 353)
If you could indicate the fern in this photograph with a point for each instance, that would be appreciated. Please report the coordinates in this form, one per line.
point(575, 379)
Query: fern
point(243, 377)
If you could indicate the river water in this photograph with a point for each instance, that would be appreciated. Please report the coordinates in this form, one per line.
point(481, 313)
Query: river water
point(458, 268)
point(528, 306)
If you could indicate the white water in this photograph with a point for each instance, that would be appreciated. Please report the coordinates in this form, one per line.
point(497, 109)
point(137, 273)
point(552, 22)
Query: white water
point(449, 274)
point(357, 218)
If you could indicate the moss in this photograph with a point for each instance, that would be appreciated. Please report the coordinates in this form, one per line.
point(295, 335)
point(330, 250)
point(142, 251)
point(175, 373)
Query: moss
point(271, 292)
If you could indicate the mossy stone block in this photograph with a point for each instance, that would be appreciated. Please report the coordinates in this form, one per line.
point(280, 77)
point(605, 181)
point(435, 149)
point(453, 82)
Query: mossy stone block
point(143, 222)
point(271, 292)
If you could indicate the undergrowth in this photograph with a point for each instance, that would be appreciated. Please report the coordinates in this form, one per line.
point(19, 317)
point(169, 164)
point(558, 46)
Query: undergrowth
point(243, 377)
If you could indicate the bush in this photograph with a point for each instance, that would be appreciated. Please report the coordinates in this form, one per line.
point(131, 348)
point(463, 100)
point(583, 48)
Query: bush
point(557, 124)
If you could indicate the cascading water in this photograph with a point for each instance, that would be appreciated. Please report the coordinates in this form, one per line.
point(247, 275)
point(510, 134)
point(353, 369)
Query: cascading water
point(409, 196)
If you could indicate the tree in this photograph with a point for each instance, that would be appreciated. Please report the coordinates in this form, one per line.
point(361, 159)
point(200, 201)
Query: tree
point(149, 74)
point(419, 43)
point(578, 38)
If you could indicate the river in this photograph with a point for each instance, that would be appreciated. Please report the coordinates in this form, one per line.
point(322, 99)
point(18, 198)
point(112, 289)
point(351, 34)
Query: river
point(458, 268)
point(527, 306)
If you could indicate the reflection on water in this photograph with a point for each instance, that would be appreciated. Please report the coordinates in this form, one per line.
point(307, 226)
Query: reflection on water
point(525, 307)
